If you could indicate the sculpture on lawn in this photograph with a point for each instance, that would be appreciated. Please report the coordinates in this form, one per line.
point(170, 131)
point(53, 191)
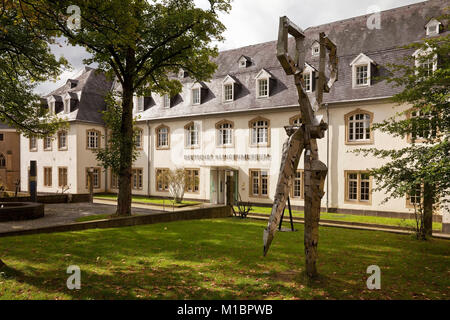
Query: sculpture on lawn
point(303, 138)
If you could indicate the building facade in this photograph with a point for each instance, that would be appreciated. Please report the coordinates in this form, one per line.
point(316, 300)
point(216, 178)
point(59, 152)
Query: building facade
point(228, 133)
point(9, 158)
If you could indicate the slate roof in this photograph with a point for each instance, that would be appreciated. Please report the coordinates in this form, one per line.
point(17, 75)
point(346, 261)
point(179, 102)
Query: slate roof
point(399, 26)
point(88, 92)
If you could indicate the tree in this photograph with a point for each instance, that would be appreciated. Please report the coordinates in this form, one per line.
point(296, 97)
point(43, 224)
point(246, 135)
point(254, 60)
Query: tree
point(140, 43)
point(176, 180)
point(420, 170)
point(109, 156)
point(25, 59)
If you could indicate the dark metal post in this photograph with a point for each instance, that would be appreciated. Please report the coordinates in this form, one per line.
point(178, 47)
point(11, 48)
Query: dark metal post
point(33, 185)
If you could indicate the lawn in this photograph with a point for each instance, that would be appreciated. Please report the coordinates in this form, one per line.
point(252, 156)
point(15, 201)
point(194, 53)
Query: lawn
point(409, 223)
point(149, 200)
point(221, 259)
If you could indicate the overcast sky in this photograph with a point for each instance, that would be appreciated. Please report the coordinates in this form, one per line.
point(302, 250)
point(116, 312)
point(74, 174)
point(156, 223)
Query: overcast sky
point(255, 21)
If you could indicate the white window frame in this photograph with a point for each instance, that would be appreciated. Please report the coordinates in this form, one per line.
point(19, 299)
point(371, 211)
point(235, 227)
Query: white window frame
point(166, 101)
point(260, 131)
point(263, 76)
point(225, 134)
point(420, 53)
point(160, 134)
point(191, 131)
point(314, 47)
point(196, 96)
point(93, 135)
point(48, 142)
point(62, 136)
point(362, 61)
point(432, 24)
point(140, 104)
point(363, 123)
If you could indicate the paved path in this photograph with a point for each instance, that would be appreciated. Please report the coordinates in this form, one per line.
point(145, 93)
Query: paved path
point(64, 213)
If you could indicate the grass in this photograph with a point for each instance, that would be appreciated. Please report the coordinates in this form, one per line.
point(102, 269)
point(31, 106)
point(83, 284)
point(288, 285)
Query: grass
point(149, 200)
point(220, 259)
point(407, 223)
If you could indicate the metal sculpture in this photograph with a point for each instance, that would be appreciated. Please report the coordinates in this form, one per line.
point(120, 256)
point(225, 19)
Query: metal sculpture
point(303, 137)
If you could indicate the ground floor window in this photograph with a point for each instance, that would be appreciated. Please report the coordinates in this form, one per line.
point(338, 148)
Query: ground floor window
point(297, 185)
point(358, 186)
point(137, 179)
point(192, 180)
point(114, 181)
point(415, 197)
point(62, 177)
point(162, 180)
point(96, 179)
point(47, 177)
point(259, 183)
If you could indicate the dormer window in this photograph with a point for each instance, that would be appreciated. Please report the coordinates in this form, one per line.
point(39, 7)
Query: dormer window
point(362, 67)
point(67, 105)
point(166, 101)
point(309, 77)
point(140, 104)
point(196, 96)
point(315, 49)
point(432, 27)
point(263, 84)
point(51, 107)
point(425, 61)
point(197, 93)
point(182, 74)
point(228, 89)
point(244, 62)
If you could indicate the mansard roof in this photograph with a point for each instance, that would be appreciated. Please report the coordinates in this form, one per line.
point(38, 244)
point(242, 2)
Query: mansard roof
point(90, 88)
point(399, 26)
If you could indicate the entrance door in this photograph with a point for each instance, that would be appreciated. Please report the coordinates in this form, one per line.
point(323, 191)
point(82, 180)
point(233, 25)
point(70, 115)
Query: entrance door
point(230, 188)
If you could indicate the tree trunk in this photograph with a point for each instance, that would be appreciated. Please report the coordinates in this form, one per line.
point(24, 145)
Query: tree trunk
point(2, 264)
point(428, 202)
point(126, 146)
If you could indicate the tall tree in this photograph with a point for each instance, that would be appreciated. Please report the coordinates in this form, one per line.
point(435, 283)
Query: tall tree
point(420, 170)
point(25, 60)
point(140, 43)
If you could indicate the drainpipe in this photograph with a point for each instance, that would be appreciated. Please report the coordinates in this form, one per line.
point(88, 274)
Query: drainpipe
point(149, 148)
point(328, 156)
point(106, 170)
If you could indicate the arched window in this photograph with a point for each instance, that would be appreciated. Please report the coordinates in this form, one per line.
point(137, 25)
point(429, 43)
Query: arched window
point(224, 133)
point(259, 132)
point(2, 161)
point(138, 136)
point(296, 120)
point(358, 127)
point(192, 135)
point(162, 137)
point(62, 140)
point(93, 139)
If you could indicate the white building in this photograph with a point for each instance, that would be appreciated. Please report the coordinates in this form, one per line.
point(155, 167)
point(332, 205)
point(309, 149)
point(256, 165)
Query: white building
point(229, 132)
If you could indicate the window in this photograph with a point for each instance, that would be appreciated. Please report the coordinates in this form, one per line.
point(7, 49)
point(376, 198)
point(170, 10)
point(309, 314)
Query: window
point(362, 68)
point(166, 101)
point(114, 181)
point(1, 137)
point(66, 105)
point(358, 187)
point(415, 197)
point(259, 183)
point(96, 179)
point(307, 79)
point(62, 177)
point(424, 126)
point(432, 27)
point(191, 131)
point(358, 127)
point(225, 133)
point(140, 104)
point(228, 92)
point(259, 132)
point(137, 179)
point(244, 62)
point(362, 75)
point(263, 84)
point(192, 180)
point(33, 144)
point(47, 143)
point(2, 161)
point(52, 108)
point(62, 140)
point(263, 88)
point(138, 136)
point(47, 177)
point(93, 137)
point(162, 180)
point(196, 96)
point(297, 185)
point(296, 120)
point(162, 137)
point(315, 49)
